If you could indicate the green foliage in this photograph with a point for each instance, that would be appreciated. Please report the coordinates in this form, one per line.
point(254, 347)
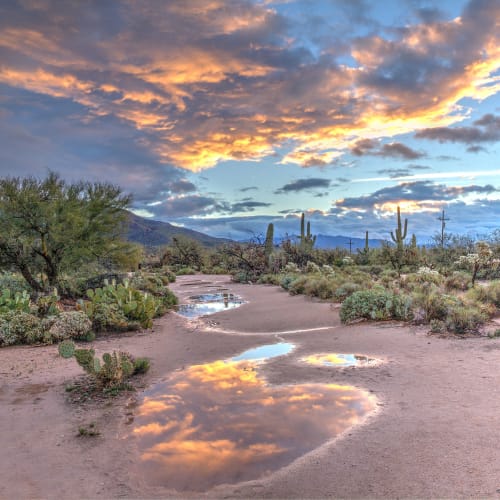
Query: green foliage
point(376, 304)
point(458, 280)
point(489, 293)
point(70, 324)
point(141, 365)
point(114, 369)
point(18, 301)
point(123, 306)
point(47, 305)
point(184, 252)
point(66, 349)
point(49, 226)
point(430, 303)
point(464, 319)
point(20, 328)
point(13, 282)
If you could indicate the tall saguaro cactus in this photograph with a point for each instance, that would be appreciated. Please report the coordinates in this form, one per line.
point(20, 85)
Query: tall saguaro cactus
point(307, 240)
point(400, 233)
point(269, 244)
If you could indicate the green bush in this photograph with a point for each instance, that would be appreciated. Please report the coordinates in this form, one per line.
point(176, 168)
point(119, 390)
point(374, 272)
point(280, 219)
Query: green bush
point(346, 290)
point(429, 303)
point(464, 319)
point(287, 280)
point(376, 304)
point(21, 328)
point(13, 282)
point(183, 271)
point(458, 280)
point(70, 324)
point(141, 365)
point(489, 293)
point(47, 305)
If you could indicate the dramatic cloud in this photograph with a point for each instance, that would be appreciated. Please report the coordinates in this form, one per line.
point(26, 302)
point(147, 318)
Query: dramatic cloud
point(248, 206)
point(205, 82)
point(303, 184)
point(486, 129)
point(392, 150)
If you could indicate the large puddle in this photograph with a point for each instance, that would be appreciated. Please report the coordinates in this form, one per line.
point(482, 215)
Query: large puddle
point(339, 360)
point(209, 303)
point(221, 422)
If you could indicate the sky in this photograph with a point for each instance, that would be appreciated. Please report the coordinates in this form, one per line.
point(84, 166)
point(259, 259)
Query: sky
point(225, 115)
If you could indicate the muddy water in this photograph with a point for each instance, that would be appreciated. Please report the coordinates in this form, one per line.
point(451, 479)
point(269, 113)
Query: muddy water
point(221, 422)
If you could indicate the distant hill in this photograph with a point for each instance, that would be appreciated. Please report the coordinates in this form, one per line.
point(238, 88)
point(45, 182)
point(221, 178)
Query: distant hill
point(152, 233)
point(324, 241)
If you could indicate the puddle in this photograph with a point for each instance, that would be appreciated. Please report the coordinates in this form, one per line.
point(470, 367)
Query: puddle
point(340, 360)
point(265, 352)
point(221, 422)
point(209, 303)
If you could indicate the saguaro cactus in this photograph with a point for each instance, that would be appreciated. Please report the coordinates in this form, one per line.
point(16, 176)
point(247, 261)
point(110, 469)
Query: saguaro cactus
point(269, 244)
point(400, 233)
point(307, 240)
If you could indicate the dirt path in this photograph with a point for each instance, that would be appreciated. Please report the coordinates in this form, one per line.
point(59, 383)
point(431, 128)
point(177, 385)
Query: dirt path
point(436, 433)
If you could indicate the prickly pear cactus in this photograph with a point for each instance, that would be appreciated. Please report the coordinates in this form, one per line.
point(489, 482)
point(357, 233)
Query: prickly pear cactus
point(66, 348)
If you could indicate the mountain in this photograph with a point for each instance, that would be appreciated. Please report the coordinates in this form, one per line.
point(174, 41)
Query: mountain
point(152, 233)
point(325, 241)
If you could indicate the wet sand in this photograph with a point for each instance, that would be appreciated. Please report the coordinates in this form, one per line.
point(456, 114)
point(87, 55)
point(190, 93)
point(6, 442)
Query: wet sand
point(435, 432)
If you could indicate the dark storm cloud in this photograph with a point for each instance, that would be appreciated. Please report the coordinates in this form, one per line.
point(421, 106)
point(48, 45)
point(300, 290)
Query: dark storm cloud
point(486, 129)
point(391, 150)
point(303, 184)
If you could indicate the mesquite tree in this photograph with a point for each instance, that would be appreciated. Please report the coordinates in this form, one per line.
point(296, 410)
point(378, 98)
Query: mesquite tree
point(48, 226)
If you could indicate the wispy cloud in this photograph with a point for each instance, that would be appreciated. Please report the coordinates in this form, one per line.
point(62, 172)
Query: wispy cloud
point(303, 184)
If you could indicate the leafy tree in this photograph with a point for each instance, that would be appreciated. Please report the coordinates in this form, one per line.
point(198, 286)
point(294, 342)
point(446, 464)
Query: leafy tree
point(184, 252)
point(49, 226)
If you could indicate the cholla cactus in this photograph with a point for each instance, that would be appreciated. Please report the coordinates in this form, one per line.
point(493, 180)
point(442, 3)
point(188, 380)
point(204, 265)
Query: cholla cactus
point(312, 267)
point(482, 258)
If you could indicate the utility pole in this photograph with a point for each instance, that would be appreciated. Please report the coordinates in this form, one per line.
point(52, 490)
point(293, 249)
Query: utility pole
point(350, 246)
point(443, 220)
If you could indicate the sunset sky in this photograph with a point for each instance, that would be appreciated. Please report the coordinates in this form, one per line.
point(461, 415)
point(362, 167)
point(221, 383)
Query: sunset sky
point(225, 115)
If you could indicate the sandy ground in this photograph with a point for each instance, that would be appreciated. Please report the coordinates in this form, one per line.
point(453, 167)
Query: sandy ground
point(436, 432)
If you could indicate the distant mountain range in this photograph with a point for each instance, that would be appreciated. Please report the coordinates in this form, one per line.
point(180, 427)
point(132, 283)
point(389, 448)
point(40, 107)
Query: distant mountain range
point(151, 233)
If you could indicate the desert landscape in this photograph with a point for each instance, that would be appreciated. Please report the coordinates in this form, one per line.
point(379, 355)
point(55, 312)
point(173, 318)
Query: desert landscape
point(430, 432)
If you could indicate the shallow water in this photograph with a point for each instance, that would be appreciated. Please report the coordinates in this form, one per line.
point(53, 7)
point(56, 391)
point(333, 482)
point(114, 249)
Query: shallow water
point(221, 422)
point(339, 360)
point(265, 352)
point(209, 303)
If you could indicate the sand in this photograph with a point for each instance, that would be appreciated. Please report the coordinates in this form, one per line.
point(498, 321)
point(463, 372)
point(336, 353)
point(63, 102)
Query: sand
point(435, 432)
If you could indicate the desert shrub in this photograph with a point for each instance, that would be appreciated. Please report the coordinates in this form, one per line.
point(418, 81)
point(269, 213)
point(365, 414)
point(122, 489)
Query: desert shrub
point(287, 280)
point(70, 324)
point(489, 293)
point(141, 365)
point(429, 303)
point(458, 280)
point(298, 286)
point(345, 290)
point(269, 279)
point(327, 270)
point(14, 301)
point(423, 276)
point(375, 304)
point(464, 319)
point(13, 282)
point(320, 287)
point(437, 326)
point(388, 277)
point(183, 271)
point(312, 267)
point(20, 328)
point(291, 267)
point(242, 276)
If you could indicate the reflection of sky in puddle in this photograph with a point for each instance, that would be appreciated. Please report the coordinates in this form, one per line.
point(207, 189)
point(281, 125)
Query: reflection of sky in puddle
point(265, 352)
point(340, 360)
point(220, 423)
point(209, 303)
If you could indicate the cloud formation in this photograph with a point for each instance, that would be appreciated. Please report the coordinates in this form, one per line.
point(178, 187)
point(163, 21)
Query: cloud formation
point(393, 150)
point(206, 82)
point(303, 184)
